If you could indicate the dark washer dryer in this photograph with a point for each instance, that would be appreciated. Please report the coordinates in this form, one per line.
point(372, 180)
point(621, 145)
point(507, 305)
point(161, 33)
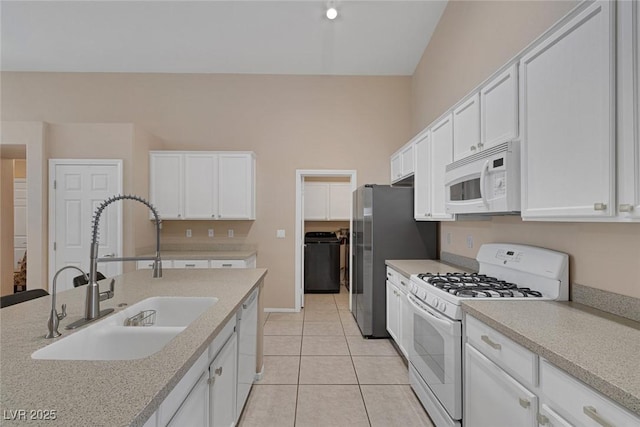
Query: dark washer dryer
point(321, 262)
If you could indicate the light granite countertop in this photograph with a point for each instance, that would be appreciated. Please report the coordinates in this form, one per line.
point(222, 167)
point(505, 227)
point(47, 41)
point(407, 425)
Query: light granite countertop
point(198, 255)
point(111, 393)
point(600, 349)
point(415, 266)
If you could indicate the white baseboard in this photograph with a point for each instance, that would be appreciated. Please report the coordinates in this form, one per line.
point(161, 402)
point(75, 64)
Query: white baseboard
point(280, 310)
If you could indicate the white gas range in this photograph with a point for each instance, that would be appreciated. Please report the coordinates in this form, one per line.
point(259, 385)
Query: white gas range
point(507, 271)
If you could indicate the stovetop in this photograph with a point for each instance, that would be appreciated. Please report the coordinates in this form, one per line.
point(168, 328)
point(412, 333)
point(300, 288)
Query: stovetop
point(507, 271)
point(475, 285)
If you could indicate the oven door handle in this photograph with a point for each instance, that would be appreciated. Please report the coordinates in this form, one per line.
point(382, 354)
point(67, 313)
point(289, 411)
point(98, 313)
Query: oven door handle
point(483, 174)
point(433, 316)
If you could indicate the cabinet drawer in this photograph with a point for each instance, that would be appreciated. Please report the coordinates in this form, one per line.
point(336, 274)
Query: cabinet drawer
point(510, 356)
point(221, 338)
point(398, 279)
point(194, 263)
point(145, 265)
point(228, 263)
point(579, 403)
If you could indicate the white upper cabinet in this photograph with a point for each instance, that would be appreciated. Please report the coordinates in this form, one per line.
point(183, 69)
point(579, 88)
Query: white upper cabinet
point(166, 184)
point(422, 178)
point(568, 127)
point(340, 199)
point(236, 186)
point(499, 109)
point(200, 191)
point(327, 201)
point(202, 184)
point(402, 163)
point(466, 127)
point(628, 110)
point(441, 155)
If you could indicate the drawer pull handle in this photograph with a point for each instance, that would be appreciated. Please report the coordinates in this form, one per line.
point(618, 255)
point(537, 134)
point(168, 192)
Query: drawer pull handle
point(591, 412)
point(625, 208)
point(599, 206)
point(189, 265)
point(227, 265)
point(403, 284)
point(494, 345)
point(542, 420)
point(524, 403)
point(388, 274)
point(218, 371)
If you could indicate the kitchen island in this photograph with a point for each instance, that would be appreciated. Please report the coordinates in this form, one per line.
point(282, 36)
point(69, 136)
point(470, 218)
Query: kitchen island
point(600, 349)
point(118, 392)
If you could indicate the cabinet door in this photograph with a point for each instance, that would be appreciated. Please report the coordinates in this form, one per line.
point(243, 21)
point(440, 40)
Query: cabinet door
point(340, 201)
point(406, 156)
point(499, 109)
point(165, 184)
point(422, 178)
point(549, 418)
point(492, 397)
point(194, 411)
point(201, 186)
point(236, 182)
point(222, 381)
point(396, 167)
point(466, 127)
point(441, 155)
point(393, 323)
point(316, 196)
point(568, 132)
point(628, 110)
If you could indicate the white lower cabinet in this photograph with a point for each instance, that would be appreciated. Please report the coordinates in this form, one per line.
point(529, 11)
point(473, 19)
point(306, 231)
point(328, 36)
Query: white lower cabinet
point(492, 397)
point(208, 394)
point(577, 403)
point(399, 316)
point(501, 388)
point(201, 263)
point(223, 381)
point(194, 411)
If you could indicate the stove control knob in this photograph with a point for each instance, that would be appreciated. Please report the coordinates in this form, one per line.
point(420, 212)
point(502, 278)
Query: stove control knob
point(422, 294)
point(436, 302)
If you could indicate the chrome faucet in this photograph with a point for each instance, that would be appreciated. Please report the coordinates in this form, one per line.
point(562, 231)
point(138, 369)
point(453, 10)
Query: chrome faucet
point(54, 317)
point(94, 296)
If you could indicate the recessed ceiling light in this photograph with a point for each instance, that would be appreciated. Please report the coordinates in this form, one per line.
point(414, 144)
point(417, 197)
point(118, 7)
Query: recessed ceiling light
point(332, 13)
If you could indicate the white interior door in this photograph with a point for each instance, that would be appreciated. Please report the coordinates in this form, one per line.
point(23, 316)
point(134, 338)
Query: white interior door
point(77, 188)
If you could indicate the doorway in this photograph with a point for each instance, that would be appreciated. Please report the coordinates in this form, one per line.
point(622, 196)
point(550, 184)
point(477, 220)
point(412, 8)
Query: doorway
point(13, 222)
point(76, 189)
point(302, 175)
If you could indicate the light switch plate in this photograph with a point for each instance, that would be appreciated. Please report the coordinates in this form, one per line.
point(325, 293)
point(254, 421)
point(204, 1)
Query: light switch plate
point(230, 232)
point(280, 234)
point(188, 232)
point(211, 232)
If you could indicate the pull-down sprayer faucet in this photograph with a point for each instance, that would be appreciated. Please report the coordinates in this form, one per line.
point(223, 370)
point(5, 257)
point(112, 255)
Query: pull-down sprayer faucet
point(94, 296)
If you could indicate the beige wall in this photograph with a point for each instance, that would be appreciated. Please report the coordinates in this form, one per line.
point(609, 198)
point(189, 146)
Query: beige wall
point(291, 122)
point(473, 39)
point(31, 134)
point(6, 226)
point(19, 168)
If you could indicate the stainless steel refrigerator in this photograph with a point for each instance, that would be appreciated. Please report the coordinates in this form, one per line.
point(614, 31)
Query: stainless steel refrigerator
point(383, 228)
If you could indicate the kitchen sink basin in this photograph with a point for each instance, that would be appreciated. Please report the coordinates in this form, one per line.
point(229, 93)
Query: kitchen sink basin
point(109, 339)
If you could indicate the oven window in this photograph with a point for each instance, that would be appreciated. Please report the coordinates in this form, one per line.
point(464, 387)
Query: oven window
point(466, 190)
point(429, 345)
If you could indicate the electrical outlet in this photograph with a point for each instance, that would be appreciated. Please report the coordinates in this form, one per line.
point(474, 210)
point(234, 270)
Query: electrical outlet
point(211, 232)
point(470, 242)
point(230, 232)
point(280, 234)
point(188, 232)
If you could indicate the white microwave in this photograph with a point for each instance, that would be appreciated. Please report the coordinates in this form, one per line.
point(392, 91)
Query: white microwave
point(487, 182)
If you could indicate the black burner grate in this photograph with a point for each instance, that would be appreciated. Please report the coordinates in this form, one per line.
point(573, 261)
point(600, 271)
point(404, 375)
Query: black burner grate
point(476, 285)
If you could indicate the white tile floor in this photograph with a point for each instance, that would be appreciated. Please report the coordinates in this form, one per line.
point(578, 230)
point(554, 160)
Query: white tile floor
point(319, 371)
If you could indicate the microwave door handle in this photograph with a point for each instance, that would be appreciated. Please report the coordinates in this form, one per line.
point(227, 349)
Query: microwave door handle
point(483, 174)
